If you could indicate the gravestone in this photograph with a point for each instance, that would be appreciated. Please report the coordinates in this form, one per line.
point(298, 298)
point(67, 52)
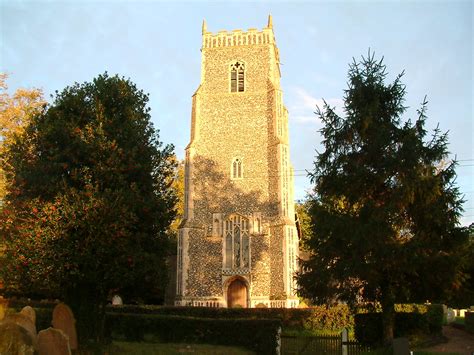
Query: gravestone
point(400, 346)
point(25, 322)
point(450, 315)
point(53, 341)
point(345, 339)
point(63, 319)
point(117, 301)
point(30, 313)
point(15, 339)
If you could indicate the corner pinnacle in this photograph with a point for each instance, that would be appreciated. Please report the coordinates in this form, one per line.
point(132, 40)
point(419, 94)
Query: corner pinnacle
point(204, 27)
point(270, 21)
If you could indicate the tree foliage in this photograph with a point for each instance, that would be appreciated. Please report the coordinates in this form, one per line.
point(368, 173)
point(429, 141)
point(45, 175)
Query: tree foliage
point(90, 202)
point(384, 211)
point(178, 187)
point(15, 113)
point(302, 209)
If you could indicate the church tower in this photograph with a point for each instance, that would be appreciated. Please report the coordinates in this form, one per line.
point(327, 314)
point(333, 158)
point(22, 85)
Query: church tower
point(238, 245)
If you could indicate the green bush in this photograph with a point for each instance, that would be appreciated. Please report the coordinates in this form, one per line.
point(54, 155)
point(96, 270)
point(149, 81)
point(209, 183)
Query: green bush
point(435, 316)
point(410, 324)
point(259, 335)
point(317, 318)
point(469, 322)
point(329, 319)
point(368, 327)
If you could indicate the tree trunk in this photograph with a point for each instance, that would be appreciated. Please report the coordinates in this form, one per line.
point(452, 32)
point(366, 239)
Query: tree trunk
point(388, 316)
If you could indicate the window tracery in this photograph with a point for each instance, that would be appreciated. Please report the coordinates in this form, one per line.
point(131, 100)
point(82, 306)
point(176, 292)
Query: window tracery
point(237, 242)
point(237, 169)
point(237, 77)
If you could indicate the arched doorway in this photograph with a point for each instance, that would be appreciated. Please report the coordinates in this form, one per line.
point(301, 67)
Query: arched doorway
point(237, 294)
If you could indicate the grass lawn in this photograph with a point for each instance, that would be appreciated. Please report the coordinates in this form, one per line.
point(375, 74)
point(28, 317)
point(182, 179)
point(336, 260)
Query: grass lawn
point(119, 348)
point(389, 352)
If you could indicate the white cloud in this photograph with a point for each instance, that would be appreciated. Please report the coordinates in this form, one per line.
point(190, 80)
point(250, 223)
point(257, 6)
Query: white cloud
point(303, 105)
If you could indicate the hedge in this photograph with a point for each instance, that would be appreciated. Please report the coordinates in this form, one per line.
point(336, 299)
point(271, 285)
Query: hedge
point(259, 335)
point(369, 328)
point(435, 317)
point(469, 322)
point(315, 318)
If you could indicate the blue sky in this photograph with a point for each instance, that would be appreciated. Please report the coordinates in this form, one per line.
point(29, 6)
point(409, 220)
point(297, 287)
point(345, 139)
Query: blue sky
point(50, 45)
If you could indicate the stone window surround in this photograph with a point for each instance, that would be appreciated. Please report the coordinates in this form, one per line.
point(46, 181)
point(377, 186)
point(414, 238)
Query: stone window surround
point(244, 66)
point(239, 168)
point(243, 225)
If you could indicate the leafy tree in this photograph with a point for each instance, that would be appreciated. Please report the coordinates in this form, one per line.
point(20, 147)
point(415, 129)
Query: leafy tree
point(90, 202)
point(15, 113)
point(461, 294)
point(384, 212)
point(304, 218)
point(178, 187)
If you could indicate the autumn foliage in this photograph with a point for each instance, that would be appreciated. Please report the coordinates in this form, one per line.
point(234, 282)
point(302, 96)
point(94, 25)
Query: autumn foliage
point(89, 205)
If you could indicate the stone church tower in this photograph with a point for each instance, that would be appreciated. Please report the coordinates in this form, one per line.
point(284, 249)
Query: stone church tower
point(238, 244)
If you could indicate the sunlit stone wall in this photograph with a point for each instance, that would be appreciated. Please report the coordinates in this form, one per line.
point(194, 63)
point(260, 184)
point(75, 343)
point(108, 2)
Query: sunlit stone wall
point(251, 126)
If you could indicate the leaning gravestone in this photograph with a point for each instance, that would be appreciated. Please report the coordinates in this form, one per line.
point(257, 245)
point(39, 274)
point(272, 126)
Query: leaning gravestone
point(63, 319)
point(53, 342)
point(30, 313)
point(15, 339)
point(24, 322)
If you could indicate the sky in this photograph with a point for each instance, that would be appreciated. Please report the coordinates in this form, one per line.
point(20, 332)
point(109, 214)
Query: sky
point(52, 44)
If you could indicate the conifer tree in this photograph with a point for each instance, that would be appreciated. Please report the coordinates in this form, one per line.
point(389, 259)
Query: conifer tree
point(385, 206)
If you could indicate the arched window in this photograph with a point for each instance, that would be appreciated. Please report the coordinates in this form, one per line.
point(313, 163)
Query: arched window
point(237, 242)
point(237, 169)
point(237, 77)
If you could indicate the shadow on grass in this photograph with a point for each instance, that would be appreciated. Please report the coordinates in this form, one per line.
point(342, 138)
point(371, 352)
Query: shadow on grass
point(142, 348)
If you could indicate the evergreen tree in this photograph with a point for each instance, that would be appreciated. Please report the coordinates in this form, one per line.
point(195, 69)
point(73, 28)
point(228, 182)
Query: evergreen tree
point(90, 203)
point(384, 209)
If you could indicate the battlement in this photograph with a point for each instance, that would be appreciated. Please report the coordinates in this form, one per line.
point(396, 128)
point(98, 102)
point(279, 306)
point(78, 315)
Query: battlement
point(238, 37)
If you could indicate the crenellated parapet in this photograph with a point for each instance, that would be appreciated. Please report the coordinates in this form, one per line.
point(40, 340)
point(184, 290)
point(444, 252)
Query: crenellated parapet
point(238, 37)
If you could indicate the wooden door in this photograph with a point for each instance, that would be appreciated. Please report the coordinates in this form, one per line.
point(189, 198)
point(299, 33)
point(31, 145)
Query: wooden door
point(237, 294)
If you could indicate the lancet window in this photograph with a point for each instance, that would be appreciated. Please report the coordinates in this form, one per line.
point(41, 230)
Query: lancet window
point(237, 77)
point(236, 169)
point(237, 242)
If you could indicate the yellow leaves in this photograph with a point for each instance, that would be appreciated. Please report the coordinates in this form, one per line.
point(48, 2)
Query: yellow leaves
point(16, 112)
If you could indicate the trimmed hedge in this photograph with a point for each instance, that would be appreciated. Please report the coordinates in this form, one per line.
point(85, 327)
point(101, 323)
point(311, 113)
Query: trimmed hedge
point(469, 322)
point(369, 327)
point(319, 317)
point(435, 317)
point(259, 335)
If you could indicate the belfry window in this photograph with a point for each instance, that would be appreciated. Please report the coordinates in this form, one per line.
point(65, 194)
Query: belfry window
point(237, 242)
point(236, 169)
point(237, 77)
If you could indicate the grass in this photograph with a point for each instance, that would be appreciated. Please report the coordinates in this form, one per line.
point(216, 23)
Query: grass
point(390, 352)
point(433, 353)
point(136, 348)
